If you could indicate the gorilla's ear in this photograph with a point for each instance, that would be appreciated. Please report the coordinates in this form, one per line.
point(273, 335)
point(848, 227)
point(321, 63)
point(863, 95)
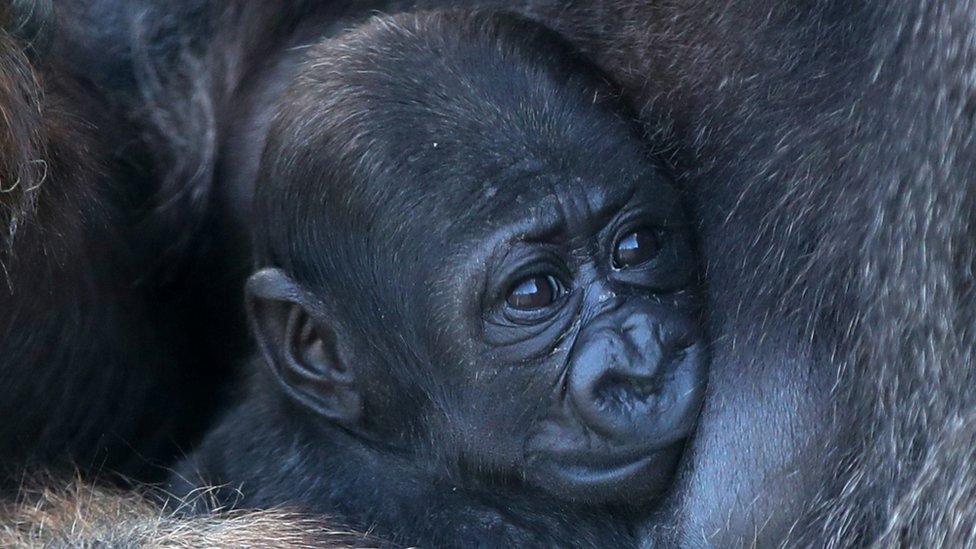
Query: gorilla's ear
point(302, 348)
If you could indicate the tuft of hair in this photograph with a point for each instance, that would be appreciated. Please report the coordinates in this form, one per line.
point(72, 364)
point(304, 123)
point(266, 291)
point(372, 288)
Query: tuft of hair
point(22, 143)
point(49, 513)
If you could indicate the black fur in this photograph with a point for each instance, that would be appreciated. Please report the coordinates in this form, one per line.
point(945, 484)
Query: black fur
point(97, 370)
point(833, 150)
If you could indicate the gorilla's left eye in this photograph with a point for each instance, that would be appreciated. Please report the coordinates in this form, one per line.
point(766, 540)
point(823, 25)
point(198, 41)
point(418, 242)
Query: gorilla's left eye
point(637, 247)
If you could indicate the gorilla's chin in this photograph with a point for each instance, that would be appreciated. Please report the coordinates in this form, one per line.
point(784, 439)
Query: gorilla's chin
point(600, 478)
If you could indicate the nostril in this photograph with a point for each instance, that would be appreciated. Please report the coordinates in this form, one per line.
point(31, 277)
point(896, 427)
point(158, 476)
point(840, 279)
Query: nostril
point(617, 392)
point(644, 383)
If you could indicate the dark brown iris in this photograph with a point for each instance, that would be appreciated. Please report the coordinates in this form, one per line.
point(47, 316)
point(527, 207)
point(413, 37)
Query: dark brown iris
point(637, 247)
point(534, 292)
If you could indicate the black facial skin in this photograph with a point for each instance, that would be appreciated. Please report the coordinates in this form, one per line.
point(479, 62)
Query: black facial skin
point(478, 298)
point(617, 346)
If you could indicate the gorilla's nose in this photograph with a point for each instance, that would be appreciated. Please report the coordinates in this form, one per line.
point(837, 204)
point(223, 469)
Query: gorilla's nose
point(637, 375)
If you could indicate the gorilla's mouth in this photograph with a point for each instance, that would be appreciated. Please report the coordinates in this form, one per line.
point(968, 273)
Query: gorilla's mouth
point(598, 478)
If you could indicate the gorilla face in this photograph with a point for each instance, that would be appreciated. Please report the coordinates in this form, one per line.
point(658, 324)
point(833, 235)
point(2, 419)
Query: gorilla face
point(578, 332)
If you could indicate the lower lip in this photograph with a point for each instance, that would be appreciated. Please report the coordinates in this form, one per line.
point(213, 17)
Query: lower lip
point(600, 474)
point(646, 475)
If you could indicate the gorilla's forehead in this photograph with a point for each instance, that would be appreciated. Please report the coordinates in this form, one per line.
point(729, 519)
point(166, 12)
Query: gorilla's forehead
point(545, 206)
point(478, 182)
point(551, 209)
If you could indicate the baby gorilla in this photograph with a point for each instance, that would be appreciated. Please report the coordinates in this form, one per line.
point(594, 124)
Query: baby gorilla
point(478, 313)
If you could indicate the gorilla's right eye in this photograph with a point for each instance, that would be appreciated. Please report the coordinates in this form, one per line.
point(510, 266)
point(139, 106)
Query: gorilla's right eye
point(533, 292)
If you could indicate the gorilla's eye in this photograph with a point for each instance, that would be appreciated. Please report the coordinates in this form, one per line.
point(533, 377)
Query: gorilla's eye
point(637, 247)
point(534, 292)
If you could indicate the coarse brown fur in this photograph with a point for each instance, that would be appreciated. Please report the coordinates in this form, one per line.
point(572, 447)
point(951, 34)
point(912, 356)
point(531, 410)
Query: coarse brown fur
point(81, 515)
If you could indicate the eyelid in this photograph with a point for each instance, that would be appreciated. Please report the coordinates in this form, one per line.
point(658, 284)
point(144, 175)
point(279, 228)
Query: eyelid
point(661, 233)
point(522, 262)
point(662, 209)
point(541, 314)
point(633, 217)
point(519, 262)
point(502, 333)
point(673, 268)
point(625, 224)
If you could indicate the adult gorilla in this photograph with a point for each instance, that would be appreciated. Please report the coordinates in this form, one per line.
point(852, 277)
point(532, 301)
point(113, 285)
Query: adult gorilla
point(833, 148)
point(836, 197)
point(86, 346)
